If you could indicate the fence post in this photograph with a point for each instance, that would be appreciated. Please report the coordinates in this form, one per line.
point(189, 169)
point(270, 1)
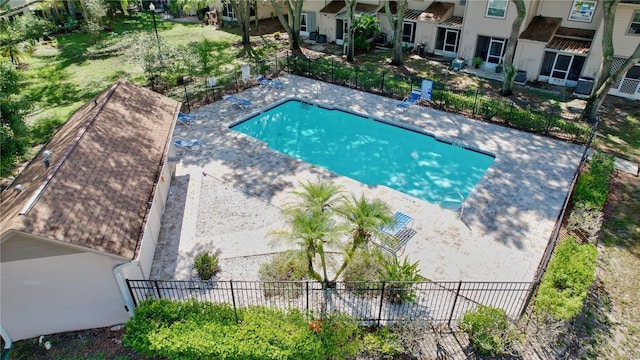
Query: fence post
point(532, 290)
point(382, 85)
point(288, 62)
point(454, 303)
point(332, 65)
point(307, 295)
point(381, 300)
point(356, 70)
point(233, 300)
point(235, 75)
point(510, 113)
point(546, 130)
point(308, 67)
point(475, 102)
point(135, 301)
point(157, 288)
point(276, 70)
point(186, 96)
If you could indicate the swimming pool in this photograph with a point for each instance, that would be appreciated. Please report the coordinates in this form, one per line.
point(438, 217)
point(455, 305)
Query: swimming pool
point(370, 151)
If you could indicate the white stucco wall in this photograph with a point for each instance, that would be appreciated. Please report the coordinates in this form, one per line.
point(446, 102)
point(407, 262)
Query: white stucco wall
point(152, 229)
point(477, 23)
point(528, 57)
point(60, 293)
point(562, 9)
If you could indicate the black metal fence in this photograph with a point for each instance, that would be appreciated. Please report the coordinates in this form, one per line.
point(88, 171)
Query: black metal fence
point(373, 303)
point(544, 119)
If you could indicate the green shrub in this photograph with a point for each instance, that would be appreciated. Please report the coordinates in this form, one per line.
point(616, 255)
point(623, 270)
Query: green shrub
point(206, 265)
point(289, 265)
point(400, 277)
point(382, 344)
point(365, 266)
point(200, 330)
point(489, 330)
point(340, 336)
point(568, 276)
point(592, 187)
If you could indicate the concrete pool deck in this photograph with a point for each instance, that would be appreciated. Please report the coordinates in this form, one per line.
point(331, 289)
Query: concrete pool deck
point(227, 195)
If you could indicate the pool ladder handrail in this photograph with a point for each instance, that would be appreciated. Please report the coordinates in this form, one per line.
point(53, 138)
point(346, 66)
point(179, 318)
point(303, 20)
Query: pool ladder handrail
point(462, 201)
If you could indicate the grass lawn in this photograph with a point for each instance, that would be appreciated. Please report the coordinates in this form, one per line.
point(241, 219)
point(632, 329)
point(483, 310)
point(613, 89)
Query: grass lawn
point(65, 74)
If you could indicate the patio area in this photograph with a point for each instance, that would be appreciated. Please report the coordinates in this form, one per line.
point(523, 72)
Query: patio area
point(227, 196)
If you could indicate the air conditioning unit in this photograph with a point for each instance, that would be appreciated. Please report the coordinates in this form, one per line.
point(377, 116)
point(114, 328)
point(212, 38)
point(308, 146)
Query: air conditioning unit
point(584, 87)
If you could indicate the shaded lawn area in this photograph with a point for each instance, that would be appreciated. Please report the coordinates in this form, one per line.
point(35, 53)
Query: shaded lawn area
point(59, 79)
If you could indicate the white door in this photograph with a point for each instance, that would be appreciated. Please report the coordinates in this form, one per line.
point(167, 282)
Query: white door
point(451, 42)
point(560, 69)
point(304, 22)
point(494, 55)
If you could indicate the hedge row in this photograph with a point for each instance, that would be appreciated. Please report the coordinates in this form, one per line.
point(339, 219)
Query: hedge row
point(202, 330)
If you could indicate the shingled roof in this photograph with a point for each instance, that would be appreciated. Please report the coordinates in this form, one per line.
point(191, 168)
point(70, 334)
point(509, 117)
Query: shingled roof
point(104, 166)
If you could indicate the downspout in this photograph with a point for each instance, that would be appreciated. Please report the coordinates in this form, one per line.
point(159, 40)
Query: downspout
point(8, 343)
point(122, 284)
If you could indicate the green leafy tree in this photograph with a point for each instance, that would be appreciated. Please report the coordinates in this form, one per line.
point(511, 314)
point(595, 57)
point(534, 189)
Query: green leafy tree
point(14, 134)
point(364, 26)
point(94, 12)
point(242, 10)
point(396, 25)
point(153, 55)
point(290, 23)
point(607, 77)
point(18, 37)
point(365, 219)
point(507, 59)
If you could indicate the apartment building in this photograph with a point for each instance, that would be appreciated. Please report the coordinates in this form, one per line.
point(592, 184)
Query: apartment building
point(560, 42)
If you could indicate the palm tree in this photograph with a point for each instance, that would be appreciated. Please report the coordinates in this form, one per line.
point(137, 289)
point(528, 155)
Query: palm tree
point(366, 218)
point(311, 231)
point(311, 225)
point(320, 196)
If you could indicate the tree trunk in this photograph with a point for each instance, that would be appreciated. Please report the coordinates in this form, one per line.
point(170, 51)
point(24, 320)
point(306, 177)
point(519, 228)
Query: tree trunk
point(396, 25)
point(507, 60)
point(351, 6)
point(607, 78)
point(242, 9)
point(291, 25)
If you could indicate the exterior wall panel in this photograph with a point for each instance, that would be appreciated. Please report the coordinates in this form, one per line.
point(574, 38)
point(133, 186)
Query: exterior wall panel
point(80, 294)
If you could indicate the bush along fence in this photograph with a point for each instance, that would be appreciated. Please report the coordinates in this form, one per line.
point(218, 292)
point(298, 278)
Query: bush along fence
point(472, 103)
point(372, 303)
point(191, 90)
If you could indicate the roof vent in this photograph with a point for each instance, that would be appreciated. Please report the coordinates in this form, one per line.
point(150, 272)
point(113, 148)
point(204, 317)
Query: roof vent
point(46, 154)
point(18, 188)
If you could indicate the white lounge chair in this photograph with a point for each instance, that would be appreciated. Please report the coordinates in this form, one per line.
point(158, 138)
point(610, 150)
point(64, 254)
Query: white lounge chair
point(270, 83)
point(398, 233)
point(242, 103)
point(411, 100)
point(188, 144)
point(186, 119)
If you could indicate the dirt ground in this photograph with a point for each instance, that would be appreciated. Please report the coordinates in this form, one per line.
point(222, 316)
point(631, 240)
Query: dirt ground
point(104, 343)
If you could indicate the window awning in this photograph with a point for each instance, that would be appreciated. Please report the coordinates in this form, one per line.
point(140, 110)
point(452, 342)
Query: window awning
point(569, 45)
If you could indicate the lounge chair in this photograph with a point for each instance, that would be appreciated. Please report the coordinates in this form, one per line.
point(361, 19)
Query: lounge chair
point(188, 144)
point(270, 83)
point(242, 103)
point(411, 100)
point(398, 233)
point(186, 119)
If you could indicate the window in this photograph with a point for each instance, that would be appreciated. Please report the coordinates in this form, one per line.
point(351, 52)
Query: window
point(497, 8)
point(582, 10)
point(634, 28)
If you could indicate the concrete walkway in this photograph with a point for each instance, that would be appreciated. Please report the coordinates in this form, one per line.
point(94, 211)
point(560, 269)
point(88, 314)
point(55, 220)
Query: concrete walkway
point(508, 217)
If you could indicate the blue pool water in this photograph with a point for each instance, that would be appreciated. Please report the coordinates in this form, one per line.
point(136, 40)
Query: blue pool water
point(372, 152)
